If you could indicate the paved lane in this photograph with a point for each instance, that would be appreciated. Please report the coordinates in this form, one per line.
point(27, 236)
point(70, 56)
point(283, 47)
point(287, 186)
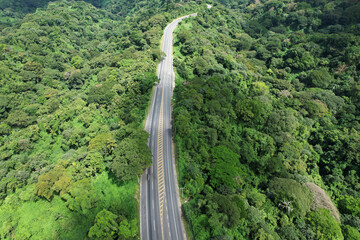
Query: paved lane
point(160, 210)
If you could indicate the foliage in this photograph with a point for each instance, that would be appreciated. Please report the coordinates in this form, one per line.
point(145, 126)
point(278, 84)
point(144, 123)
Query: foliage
point(267, 100)
point(324, 225)
point(75, 80)
point(105, 226)
point(131, 156)
point(225, 169)
point(349, 205)
point(291, 191)
point(350, 233)
point(320, 78)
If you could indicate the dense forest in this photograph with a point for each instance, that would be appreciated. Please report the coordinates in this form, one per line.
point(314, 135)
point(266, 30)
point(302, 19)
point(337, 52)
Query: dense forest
point(75, 83)
point(266, 119)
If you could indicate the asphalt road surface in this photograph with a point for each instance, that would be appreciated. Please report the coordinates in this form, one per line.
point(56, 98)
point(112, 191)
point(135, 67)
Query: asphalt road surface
point(160, 210)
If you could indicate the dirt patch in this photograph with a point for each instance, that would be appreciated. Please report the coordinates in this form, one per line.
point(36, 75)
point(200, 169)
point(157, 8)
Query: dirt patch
point(322, 200)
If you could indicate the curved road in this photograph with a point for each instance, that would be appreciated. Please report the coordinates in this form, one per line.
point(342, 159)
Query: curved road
point(160, 209)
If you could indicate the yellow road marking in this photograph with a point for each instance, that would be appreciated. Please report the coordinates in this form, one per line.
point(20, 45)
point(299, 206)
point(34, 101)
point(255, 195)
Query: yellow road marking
point(160, 164)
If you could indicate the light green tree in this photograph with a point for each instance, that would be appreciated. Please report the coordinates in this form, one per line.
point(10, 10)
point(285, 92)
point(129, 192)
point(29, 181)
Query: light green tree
point(105, 226)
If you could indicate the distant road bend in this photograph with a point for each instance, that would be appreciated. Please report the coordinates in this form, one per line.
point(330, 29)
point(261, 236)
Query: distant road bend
point(160, 209)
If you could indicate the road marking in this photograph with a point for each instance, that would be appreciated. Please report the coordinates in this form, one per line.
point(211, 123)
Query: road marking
point(160, 163)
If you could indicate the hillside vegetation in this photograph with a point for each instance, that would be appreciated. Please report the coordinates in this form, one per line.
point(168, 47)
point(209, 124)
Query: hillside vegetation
point(268, 100)
point(75, 81)
point(266, 117)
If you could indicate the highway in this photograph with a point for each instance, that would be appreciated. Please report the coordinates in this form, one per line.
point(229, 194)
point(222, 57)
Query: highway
point(160, 208)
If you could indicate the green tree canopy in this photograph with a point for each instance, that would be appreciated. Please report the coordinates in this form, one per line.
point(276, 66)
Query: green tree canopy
point(324, 225)
point(105, 226)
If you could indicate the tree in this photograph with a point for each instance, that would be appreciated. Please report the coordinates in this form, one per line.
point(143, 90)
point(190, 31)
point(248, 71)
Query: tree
point(105, 226)
point(232, 207)
point(147, 81)
point(299, 58)
point(77, 62)
point(4, 129)
point(103, 143)
point(324, 225)
point(75, 78)
point(249, 110)
point(242, 42)
point(281, 121)
point(128, 229)
point(46, 182)
point(131, 157)
point(225, 170)
point(291, 196)
point(94, 162)
point(316, 108)
point(183, 35)
point(320, 78)
point(102, 93)
point(350, 233)
point(82, 196)
point(18, 118)
point(257, 149)
point(349, 205)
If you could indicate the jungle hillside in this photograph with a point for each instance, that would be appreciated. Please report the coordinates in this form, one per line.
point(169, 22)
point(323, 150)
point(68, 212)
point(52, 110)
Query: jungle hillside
point(266, 113)
point(266, 117)
point(75, 83)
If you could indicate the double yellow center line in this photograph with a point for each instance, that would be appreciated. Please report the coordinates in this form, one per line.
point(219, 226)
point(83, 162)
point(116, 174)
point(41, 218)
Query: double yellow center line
point(160, 163)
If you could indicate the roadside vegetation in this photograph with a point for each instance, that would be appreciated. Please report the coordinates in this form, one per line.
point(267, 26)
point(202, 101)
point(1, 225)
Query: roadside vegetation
point(75, 81)
point(266, 117)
